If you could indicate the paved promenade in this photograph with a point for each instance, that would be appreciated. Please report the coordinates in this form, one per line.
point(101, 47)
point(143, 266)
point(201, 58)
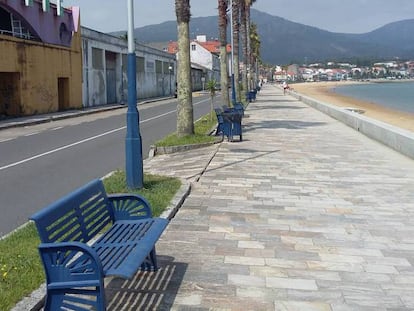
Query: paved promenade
point(303, 214)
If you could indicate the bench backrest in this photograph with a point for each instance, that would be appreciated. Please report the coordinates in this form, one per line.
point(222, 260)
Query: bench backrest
point(219, 115)
point(238, 106)
point(79, 216)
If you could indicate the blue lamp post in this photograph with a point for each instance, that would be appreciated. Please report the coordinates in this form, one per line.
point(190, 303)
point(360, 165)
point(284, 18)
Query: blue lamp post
point(133, 144)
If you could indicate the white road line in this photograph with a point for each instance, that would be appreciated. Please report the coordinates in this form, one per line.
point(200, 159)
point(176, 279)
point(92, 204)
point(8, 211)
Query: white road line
point(159, 116)
point(61, 148)
point(77, 143)
point(31, 134)
point(202, 101)
point(7, 139)
point(84, 140)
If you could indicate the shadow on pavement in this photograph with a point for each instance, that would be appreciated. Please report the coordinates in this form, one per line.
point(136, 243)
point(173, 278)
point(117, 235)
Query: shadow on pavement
point(242, 150)
point(259, 107)
point(147, 290)
point(285, 124)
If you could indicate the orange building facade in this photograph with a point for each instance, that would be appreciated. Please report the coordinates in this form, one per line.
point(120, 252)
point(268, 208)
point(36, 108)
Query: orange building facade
point(40, 58)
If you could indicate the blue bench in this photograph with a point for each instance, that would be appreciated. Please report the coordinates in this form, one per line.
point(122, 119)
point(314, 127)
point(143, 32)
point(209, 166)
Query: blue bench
point(220, 122)
point(251, 95)
point(89, 235)
point(238, 107)
point(229, 121)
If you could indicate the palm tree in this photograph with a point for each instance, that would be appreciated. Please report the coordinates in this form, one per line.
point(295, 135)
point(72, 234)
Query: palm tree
point(243, 37)
point(249, 46)
point(235, 11)
point(224, 71)
point(211, 87)
point(185, 118)
point(245, 34)
point(255, 50)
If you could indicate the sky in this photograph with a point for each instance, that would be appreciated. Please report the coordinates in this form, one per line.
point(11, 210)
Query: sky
point(347, 16)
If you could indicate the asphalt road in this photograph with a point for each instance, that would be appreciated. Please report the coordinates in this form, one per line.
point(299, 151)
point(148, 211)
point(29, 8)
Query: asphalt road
point(40, 163)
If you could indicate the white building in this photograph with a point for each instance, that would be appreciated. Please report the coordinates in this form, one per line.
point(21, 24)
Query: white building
point(203, 57)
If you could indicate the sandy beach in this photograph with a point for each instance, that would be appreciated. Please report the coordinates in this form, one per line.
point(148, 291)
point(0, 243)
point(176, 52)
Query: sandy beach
point(323, 91)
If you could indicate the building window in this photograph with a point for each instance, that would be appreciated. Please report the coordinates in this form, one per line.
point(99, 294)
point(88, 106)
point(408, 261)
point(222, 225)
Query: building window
point(140, 64)
point(97, 58)
point(193, 47)
point(150, 66)
point(11, 25)
point(168, 67)
point(158, 66)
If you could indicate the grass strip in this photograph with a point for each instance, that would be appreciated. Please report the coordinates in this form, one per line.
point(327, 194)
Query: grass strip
point(202, 127)
point(158, 190)
point(21, 271)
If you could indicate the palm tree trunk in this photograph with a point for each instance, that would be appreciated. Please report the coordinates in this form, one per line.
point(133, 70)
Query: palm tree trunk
point(235, 47)
point(185, 118)
point(243, 35)
point(255, 52)
point(249, 49)
point(224, 70)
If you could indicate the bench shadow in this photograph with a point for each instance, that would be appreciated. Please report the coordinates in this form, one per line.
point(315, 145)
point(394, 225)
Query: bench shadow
point(147, 290)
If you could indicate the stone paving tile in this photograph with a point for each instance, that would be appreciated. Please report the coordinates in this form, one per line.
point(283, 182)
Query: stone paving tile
point(301, 305)
point(303, 214)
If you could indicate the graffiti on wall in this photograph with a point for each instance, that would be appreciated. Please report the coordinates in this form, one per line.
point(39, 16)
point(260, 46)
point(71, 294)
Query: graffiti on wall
point(46, 97)
point(99, 88)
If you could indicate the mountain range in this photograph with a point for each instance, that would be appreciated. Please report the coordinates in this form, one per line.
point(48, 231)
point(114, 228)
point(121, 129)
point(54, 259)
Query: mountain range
point(284, 41)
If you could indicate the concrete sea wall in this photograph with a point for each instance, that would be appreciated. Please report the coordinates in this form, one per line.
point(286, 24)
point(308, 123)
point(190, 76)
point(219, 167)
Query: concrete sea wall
point(396, 138)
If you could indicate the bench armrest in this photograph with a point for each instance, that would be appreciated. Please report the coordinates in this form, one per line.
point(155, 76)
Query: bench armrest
point(130, 207)
point(70, 262)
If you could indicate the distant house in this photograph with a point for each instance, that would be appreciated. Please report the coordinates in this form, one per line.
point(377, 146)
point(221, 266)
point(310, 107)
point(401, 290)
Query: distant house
point(204, 54)
point(203, 57)
point(213, 45)
point(279, 76)
point(410, 68)
point(335, 74)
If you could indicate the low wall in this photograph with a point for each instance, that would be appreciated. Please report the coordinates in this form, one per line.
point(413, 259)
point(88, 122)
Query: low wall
point(396, 138)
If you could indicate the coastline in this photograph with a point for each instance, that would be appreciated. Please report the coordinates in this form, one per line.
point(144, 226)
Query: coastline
point(323, 91)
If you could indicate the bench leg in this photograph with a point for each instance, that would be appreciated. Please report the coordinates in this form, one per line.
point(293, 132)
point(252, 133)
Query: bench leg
point(75, 299)
point(150, 263)
point(72, 284)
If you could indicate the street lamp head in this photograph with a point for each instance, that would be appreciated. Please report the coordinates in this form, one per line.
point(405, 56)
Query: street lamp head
point(170, 68)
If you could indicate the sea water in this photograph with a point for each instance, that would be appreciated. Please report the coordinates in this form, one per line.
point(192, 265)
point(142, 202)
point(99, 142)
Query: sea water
point(393, 95)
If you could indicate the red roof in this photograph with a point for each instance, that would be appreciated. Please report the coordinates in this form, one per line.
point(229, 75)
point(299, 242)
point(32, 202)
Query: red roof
point(214, 46)
point(172, 47)
point(211, 46)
